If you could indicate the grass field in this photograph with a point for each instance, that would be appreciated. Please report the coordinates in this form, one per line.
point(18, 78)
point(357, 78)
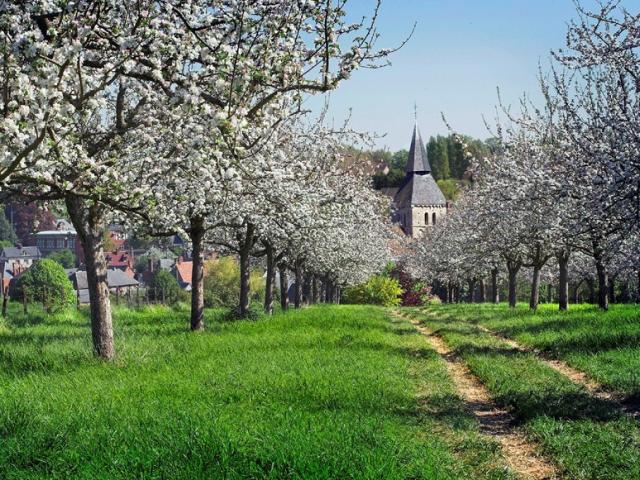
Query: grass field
point(586, 437)
point(605, 345)
point(327, 392)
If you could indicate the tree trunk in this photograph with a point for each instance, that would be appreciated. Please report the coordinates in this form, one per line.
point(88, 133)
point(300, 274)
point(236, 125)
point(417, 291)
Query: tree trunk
point(592, 291)
point(603, 285)
point(284, 287)
point(495, 293)
point(299, 280)
point(535, 288)
point(472, 289)
point(624, 292)
point(196, 235)
point(563, 280)
point(483, 293)
point(513, 267)
point(612, 290)
point(245, 269)
point(88, 220)
point(314, 289)
point(270, 279)
point(306, 289)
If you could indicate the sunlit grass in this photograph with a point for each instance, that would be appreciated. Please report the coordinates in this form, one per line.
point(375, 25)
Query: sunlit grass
point(327, 392)
point(588, 438)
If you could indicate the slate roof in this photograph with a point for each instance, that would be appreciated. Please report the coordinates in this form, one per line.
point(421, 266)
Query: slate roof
point(420, 189)
point(115, 279)
point(20, 252)
point(417, 161)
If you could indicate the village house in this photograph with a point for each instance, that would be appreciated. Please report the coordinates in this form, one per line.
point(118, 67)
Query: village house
point(14, 261)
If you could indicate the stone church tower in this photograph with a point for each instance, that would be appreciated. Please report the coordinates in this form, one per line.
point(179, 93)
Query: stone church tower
point(419, 201)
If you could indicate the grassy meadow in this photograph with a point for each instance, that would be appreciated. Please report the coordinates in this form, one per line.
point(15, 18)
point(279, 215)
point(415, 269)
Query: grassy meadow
point(588, 438)
point(326, 392)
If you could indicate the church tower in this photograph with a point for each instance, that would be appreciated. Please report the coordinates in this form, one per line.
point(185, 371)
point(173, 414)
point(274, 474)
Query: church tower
point(420, 203)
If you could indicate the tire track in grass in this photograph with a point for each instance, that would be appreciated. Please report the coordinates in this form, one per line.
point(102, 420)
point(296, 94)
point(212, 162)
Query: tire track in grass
point(497, 423)
point(595, 389)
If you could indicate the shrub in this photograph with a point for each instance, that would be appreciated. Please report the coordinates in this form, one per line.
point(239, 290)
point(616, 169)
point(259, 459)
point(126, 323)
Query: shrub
point(415, 293)
point(164, 287)
point(378, 290)
point(66, 258)
point(45, 282)
point(222, 283)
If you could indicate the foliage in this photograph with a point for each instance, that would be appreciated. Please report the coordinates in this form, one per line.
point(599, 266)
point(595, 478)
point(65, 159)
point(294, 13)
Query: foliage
point(222, 283)
point(47, 283)
point(28, 217)
point(164, 287)
point(450, 188)
point(378, 290)
point(415, 293)
point(66, 258)
point(7, 234)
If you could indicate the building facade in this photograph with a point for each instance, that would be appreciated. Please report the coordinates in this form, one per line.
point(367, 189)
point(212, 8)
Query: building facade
point(420, 204)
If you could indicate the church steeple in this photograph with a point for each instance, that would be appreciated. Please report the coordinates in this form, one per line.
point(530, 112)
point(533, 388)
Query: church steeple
point(417, 161)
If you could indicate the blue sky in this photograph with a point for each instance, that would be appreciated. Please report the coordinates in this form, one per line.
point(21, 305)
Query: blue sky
point(460, 53)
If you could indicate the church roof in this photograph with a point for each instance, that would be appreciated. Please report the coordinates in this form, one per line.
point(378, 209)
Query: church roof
point(417, 161)
point(419, 189)
point(418, 186)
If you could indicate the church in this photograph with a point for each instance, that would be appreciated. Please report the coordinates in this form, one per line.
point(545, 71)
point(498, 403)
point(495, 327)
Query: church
point(419, 202)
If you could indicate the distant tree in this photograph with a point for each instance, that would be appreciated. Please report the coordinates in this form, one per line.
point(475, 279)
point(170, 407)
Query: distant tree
point(7, 234)
point(438, 154)
point(449, 188)
point(399, 160)
point(46, 282)
point(28, 218)
point(164, 287)
point(66, 258)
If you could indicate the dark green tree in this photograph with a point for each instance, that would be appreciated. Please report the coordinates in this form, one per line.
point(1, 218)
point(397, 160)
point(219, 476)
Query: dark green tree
point(66, 258)
point(45, 282)
point(164, 287)
point(7, 234)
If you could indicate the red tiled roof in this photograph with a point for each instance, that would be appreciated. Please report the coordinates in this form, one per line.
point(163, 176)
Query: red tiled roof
point(184, 271)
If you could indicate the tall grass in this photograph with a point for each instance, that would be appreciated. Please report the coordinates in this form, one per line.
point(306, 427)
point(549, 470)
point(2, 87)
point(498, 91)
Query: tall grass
point(328, 392)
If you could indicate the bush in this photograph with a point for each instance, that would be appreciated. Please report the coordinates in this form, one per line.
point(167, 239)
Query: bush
point(45, 282)
point(164, 287)
point(222, 283)
point(378, 290)
point(415, 293)
point(66, 258)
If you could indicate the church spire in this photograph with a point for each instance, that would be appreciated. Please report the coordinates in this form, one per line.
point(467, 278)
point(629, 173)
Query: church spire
point(417, 161)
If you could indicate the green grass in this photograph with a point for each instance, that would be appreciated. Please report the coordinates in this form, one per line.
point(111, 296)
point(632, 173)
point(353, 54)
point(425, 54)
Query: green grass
point(586, 437)
point(328, 392)
point(605, 345)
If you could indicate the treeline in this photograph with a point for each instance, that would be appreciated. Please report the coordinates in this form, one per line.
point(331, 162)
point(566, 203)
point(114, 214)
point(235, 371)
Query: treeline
point(448, 156)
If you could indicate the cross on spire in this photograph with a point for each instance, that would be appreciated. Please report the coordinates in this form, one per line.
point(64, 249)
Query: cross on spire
point(415, 111)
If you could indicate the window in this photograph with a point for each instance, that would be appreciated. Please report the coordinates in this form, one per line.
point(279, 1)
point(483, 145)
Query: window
point(426, 218)
point(434, 218)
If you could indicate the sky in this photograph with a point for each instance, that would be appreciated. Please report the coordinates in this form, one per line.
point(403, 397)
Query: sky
point(461, 52)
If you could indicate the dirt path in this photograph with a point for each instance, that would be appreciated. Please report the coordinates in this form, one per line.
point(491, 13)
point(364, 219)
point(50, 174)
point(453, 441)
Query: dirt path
point(496, 423)
point(594, 388)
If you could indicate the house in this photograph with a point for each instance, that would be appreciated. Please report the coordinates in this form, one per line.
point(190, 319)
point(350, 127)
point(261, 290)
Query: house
point(122, 261)
point(49, 241)
point(182, 270)
point(117, 280)
point(14, 261)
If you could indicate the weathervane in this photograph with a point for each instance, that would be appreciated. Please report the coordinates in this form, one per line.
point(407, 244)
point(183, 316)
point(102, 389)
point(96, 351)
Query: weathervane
point(415, 111)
